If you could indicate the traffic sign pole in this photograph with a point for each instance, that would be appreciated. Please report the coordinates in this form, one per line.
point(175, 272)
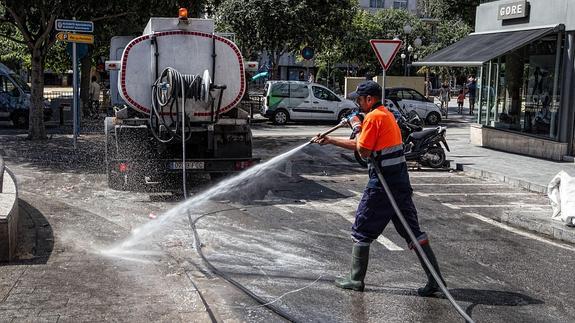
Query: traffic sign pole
point(383, 87)
point(75, 94)
point(385, 50)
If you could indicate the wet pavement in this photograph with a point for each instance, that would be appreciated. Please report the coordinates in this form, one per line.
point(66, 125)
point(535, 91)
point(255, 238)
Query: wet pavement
point(286, 246)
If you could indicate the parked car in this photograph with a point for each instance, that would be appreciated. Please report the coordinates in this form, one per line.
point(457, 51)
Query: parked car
point(298, 101)
point(411, 100)
point(15, 98)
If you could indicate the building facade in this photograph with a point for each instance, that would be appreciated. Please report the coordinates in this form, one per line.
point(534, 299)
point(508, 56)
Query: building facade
point(372, 5)
point(524, 52)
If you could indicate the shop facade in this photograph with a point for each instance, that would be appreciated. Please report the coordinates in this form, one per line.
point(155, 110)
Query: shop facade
point(524, 55)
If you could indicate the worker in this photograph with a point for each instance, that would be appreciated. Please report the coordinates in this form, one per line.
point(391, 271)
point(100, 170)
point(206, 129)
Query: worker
point(380, 136)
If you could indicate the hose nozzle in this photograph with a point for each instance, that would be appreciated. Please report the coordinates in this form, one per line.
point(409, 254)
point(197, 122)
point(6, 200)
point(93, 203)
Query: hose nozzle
point(342, 123)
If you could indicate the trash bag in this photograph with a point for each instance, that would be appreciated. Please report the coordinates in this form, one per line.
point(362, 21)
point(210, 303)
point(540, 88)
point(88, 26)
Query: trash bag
point(561, 192)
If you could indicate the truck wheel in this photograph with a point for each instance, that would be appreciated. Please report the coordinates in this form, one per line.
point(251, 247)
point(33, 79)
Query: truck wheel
point(20, 119)
point(115, 182)
point(280, 117)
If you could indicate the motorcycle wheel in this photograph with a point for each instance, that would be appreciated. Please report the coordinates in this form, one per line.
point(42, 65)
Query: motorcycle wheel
point(360, 160)
point(435, 157)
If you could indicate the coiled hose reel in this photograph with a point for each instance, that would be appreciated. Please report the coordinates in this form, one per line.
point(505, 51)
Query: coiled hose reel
point(168, 120)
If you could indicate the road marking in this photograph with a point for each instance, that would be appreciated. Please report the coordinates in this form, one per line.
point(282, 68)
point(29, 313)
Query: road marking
point(471, 194)
point(390, 245)
point(412, 175)
point(285, 208)
point(458, 184)
point(526, 206)
point(333, 177)
point(519, 232)
point(344, 208)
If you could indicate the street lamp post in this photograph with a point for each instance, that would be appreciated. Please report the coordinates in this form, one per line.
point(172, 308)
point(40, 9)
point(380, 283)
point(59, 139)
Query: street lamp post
point(408, 49)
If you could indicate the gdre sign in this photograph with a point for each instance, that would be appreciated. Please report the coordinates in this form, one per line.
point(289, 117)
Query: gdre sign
point(512, 10)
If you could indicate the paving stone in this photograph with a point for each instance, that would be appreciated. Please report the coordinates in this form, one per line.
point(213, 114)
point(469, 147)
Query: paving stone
point(37, 319)
point(21, 312)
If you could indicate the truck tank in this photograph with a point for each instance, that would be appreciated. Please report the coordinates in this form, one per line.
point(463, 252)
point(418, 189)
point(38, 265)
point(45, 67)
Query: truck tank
point(190, 48)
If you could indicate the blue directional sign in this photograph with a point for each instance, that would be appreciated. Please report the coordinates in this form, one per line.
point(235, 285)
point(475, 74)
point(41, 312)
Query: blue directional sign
point(307, 52)
point(74, 25)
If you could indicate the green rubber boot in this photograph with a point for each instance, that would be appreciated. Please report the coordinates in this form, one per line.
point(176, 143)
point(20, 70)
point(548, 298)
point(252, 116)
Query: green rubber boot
point(359, 260)
point(431, 289)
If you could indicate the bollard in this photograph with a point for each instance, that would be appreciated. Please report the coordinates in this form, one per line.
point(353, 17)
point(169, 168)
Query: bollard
point(61, 115)
point(1, 173)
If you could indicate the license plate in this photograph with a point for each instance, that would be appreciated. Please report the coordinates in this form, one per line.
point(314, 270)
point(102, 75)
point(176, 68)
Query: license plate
point(189, 165)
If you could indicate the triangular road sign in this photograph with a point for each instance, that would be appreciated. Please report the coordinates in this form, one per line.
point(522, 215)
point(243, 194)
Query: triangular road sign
point(385, 50)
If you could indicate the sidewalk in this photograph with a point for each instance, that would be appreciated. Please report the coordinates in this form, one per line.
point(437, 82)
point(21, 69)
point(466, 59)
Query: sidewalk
point(529, 173)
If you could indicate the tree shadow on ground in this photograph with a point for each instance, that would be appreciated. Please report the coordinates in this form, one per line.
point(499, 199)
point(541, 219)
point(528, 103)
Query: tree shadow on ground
point(35, 240)
point(56, 153)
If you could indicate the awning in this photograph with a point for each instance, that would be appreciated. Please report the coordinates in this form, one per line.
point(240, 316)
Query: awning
point(478, 48)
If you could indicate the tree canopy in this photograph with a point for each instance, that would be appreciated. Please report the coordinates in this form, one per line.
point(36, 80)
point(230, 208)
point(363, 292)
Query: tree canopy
point(282, 26)
point(450, 10)
point(28, 28)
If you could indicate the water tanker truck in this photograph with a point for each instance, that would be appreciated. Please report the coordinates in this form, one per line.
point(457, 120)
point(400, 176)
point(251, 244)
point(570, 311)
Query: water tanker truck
point(181, 84)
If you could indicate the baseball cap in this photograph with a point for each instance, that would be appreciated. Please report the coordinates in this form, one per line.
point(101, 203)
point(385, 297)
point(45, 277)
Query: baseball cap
point(366, 88)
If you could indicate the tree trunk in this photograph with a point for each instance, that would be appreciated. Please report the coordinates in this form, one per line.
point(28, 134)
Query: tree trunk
point(85, 69)
point(275, 68)
point(36, 128)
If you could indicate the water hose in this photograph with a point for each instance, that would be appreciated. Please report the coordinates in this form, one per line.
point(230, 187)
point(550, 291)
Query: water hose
point(342, 123)
point(416, 243)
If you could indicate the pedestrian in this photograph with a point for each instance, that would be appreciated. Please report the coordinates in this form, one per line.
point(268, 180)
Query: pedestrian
point(301, 76)
point(445, 96)
point(428, 87)
point(460, 100)
point(94, 97)
point(471, 91)
point(311, 78)
point(380, 136)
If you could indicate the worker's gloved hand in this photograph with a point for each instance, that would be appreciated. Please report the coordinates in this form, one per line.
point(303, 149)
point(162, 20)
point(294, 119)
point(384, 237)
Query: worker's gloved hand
point(322, 140)
point(354, 121)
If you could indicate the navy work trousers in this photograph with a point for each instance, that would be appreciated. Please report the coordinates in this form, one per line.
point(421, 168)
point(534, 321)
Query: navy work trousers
point(375, 211)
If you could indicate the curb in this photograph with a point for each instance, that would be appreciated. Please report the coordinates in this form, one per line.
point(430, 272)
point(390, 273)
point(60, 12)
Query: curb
point(543, 225)
point(8, 216)
point(546, 226)
point(476, 172)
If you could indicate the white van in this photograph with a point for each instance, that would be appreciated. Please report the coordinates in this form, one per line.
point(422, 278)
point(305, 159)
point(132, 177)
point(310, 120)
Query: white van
point(298, 101)
point(15, 98)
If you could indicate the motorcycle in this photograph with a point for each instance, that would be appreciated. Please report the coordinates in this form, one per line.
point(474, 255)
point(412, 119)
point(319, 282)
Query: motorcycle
point(425, 147)
point(422, 146)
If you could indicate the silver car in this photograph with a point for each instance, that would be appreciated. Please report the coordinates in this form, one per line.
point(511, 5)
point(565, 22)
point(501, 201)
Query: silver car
point(411, 100)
